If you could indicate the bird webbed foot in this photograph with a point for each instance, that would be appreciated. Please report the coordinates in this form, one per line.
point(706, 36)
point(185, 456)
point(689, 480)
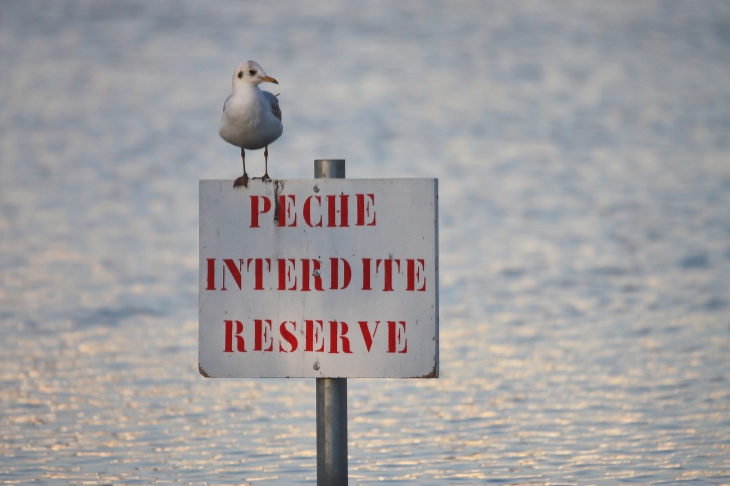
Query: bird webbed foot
point(241, 181)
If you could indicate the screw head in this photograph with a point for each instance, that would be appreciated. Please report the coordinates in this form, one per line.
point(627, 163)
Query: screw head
point(316, 273)
point(316, 366)
point(316, 188)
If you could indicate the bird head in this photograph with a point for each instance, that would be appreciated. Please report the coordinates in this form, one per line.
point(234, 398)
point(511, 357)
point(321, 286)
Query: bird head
point(251, 73)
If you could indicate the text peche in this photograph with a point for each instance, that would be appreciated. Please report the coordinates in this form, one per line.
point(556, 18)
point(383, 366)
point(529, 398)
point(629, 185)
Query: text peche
point(326, 211)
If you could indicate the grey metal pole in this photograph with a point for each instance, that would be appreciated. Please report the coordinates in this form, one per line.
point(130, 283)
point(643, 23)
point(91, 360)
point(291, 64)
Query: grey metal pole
point(329, 169)
point(331, 392)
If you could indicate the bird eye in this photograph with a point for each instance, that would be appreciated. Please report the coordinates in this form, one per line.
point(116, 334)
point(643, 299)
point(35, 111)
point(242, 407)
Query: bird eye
point(240, 74)
point(252, 72)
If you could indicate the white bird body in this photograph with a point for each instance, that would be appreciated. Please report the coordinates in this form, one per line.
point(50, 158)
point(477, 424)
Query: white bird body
point(251, 117)
point(248, 119)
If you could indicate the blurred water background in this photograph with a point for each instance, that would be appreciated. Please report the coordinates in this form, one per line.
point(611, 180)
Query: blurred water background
point(583, 157)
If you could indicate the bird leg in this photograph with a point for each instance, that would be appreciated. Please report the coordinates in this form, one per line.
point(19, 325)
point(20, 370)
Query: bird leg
point(266, 164)
point(243, 180)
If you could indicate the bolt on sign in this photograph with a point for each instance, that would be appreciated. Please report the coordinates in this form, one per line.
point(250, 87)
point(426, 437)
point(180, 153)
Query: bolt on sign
point(320, 278)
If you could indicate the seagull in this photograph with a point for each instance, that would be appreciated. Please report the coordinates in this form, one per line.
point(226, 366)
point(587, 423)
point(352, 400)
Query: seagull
point(251, 117)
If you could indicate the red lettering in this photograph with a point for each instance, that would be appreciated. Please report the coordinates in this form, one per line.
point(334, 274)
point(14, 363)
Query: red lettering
point(415, 272)
point(332, 210)
point(315, 273)
point(335, 273)
point(334, 325)
point(255, 212)
point(397, 342)
point(211, 274)
point(234, 271)
point(312, 278)
point(286, 212)
point(337, 211)
point(314, 336)
point(366, 274)
point(240, 344)
point(365, 330)
point(266, 339)
point(388, 270)
point(258, 271)
point(343, 208)
point(308, 211)
point(288, 336)
point(287, 266)
point(365, 209)
point(262, 335)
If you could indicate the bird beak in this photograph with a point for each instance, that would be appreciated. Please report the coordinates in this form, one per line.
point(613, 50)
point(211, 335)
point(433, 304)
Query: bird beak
point(270, 80)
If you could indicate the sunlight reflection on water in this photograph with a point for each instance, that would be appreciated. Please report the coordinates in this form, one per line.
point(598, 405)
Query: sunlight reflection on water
point(582, 155)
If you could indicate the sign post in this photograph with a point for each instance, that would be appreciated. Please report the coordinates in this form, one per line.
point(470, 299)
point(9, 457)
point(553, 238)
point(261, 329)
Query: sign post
point(326, 278)
point(331, 392)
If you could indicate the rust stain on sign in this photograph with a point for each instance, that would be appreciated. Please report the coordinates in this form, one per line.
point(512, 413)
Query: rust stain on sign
point(434, 373)
point(278, 188)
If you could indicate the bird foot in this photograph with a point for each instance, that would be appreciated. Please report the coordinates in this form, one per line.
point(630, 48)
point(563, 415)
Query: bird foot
point(264, 177)
point(241, 181)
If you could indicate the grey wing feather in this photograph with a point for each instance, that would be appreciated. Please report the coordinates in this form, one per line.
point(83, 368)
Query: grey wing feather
point(274, 104)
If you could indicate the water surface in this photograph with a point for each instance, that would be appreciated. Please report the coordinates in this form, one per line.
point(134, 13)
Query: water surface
point(583, 157)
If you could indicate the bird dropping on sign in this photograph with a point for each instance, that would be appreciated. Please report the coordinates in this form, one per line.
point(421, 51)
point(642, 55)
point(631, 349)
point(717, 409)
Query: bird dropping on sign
point(320, 278)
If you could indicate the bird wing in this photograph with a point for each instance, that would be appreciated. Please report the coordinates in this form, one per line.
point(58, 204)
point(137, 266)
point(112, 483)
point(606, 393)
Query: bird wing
point(274, 104)
point(226, 102)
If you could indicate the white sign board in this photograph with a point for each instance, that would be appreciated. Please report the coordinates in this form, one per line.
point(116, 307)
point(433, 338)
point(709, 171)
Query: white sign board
point(321, 278)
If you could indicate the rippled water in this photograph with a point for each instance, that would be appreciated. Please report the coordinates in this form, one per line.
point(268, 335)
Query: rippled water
point(583, 157)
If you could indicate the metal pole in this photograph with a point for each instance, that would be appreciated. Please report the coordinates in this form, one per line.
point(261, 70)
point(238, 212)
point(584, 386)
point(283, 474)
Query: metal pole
point(329, 169)
point(331, 392)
